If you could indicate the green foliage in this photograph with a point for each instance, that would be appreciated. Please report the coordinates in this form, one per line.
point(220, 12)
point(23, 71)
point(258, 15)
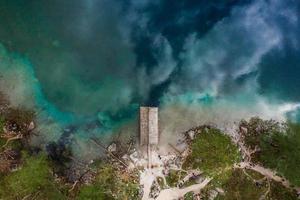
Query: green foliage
point(189, 196)
point(256, 129)
point(281, 151)
point(93, 192)
point(242, 187)
point(2, 123)
point(212, 152)
point(111, 185)
point(160, 182)
point(279, 192)
point(33, 180)
point(174, 177)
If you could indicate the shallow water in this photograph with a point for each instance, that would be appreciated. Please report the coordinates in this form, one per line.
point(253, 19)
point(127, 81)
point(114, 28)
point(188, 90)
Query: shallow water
point(86, 66)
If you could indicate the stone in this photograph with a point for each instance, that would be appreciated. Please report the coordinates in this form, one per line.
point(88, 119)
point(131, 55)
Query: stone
point(191, 134)
point(244, 130)
point(220, 191)
point(112, 147)
point(31, 126)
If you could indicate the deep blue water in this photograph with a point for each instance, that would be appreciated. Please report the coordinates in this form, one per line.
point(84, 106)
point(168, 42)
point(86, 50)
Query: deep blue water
point(89, 64)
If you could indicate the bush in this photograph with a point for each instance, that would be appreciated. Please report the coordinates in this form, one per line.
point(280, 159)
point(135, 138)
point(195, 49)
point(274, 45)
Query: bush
point(93, 192)
point(111, 184)
point(241, 187)
point(281, 151)
point(2, 122)
point(33, 180)
point(212, 152)
point(279, 148)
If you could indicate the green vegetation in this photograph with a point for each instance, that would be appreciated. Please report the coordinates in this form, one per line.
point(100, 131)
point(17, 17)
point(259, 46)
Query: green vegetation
point(2, 123)
point(189, 196)
point(279, 149)
point(174, 177)
point(250, 186)
point(278, 192)
point(93, 192)
point(211, 152)
point(160, 182)
point(257, 128)
point(33, 180)
point(239, 186)
point(214, 153)
point(111, 184)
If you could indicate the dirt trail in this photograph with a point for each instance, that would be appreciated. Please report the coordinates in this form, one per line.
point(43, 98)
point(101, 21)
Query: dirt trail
point(266, 172)
point(176, 193)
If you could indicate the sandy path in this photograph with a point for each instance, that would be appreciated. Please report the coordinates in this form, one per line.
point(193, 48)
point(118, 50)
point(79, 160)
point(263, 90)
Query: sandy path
point(266, 172)
point(175, 193)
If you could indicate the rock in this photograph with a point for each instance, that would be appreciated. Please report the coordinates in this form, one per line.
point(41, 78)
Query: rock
point(31, 126)
point(14, 127)
point(244, 130)
point(126, 157)
point(213, 194)
point(191, 134)
point(155, 190)
point(112, 147)
point(220, 191)
point(5, 130)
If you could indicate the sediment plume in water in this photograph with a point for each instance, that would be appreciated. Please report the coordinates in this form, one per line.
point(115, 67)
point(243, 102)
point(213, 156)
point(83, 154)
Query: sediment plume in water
point(92, 82)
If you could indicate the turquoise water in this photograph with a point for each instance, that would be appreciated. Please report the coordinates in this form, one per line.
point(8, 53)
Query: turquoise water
point(87, 66)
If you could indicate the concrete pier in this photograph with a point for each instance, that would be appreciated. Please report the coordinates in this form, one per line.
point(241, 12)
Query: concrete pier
point(149, 135)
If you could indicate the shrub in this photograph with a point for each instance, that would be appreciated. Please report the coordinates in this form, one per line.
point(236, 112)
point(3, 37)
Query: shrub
point(33, 180)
